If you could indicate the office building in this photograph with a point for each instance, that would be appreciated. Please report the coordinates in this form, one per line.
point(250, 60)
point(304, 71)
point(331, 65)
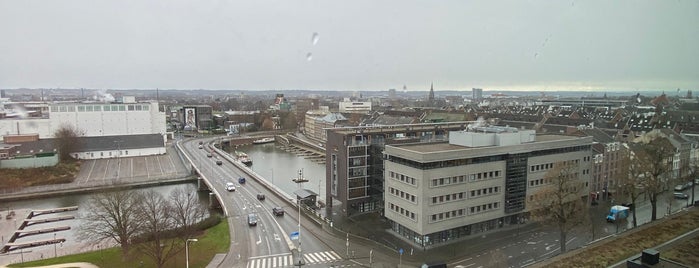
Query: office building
point(484, 178)
point(354, 158)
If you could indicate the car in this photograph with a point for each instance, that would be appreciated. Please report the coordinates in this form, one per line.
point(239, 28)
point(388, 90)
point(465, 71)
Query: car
point(679, 187)
point(688, 185)
point(230, 186)
point(696, 181)
point(241, 180)
point(201, 142)
point(201, 146)
point(218, 162)
point(628, 205)
point(680, 195)
point(252, 219)
point(278, 211)
point(260, 197)
point(209, 155)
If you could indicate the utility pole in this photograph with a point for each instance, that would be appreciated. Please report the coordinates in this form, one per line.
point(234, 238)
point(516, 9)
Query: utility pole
point(299, 181)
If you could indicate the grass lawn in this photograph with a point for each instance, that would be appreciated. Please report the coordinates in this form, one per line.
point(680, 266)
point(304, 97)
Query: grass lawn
point(63, 172)
point(214, 240)
point(618, 248)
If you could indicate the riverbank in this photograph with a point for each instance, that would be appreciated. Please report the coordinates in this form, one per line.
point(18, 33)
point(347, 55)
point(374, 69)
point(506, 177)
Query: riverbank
point(112, 174)
point(60, 190)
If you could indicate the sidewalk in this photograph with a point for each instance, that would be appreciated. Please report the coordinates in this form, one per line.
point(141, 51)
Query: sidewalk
point(370, 232)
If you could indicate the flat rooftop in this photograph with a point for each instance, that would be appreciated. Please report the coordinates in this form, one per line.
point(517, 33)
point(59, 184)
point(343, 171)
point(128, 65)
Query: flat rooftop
point(445, 146)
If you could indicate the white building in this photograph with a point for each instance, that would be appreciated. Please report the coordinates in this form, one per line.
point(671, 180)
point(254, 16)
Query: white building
point(348, 106)
point(93, 119)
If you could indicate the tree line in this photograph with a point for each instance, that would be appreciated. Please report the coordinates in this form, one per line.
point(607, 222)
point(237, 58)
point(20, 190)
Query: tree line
point(154, 225)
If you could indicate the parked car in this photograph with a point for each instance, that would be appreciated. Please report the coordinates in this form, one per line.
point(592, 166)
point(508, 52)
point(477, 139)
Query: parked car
point(230, 186)
point(629, 205)
point(218, 162)
point(679, 187)
point(680, 195)
point(209, 155)
point(201, 146)
point(278, 211)
point(688, 185)
point(260, 197)
point(252, 219)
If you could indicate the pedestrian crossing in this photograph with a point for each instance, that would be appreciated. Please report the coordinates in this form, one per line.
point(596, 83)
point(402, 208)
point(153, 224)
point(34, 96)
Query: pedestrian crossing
point(287, 260)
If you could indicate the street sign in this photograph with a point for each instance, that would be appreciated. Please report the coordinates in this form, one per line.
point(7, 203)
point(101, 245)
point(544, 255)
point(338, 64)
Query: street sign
point(400, 251)
point(294, 235)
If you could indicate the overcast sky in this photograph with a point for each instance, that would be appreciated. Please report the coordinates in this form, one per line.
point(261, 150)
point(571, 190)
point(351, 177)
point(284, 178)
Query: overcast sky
point(360, 45)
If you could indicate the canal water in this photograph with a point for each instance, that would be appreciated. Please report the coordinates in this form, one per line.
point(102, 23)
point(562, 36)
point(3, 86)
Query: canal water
point(274, 164)
point(279, 167)
point(80, 200)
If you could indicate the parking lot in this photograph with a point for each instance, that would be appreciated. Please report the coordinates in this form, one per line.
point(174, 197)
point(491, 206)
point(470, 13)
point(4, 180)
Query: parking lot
point(138, 168)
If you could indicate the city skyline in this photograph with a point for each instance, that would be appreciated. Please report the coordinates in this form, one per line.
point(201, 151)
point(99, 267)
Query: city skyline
point(358, 46)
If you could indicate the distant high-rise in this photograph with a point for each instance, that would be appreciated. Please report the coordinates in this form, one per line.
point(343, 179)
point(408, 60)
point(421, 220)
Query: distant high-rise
point(431, 97)
point(477, 93)
point(2, 93)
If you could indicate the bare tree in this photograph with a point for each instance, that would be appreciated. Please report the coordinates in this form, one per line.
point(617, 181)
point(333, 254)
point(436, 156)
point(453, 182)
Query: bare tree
point(630, 180)
point(691, 170)
point(186, 211)
point(67, 139)
point(267, 124)
point(156, 217)
point(111, 216)
point(653, 159)
point(559, 203)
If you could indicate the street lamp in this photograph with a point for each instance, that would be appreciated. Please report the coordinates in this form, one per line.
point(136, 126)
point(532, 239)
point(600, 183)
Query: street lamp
point(186, 249)
point(299, 181)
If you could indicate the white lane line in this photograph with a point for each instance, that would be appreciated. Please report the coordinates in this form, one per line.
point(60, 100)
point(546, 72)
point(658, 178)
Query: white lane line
point(172, 163)
point(160, 165)
point(147, 172)
point(90, 172)
point(104, 177)
point(336, 255)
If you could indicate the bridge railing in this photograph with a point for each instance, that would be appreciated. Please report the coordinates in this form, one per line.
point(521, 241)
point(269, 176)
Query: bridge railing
point(202, 176)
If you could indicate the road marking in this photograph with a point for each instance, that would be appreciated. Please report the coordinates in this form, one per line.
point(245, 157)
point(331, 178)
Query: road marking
point(276, 237)
point(104, 177)
point(174, 168)
point(467, 259)
point(90, 173)
point(259, 240)
point(160, 165)
point(147, 172)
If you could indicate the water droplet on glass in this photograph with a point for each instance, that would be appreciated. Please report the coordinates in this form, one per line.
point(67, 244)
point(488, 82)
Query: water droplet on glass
point(536, 55)
point(309, 56)
point(314, 39)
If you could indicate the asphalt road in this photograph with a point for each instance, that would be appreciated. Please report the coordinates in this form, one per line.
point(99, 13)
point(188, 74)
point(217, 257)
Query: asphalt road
point(267, 243)
point(265, 246)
